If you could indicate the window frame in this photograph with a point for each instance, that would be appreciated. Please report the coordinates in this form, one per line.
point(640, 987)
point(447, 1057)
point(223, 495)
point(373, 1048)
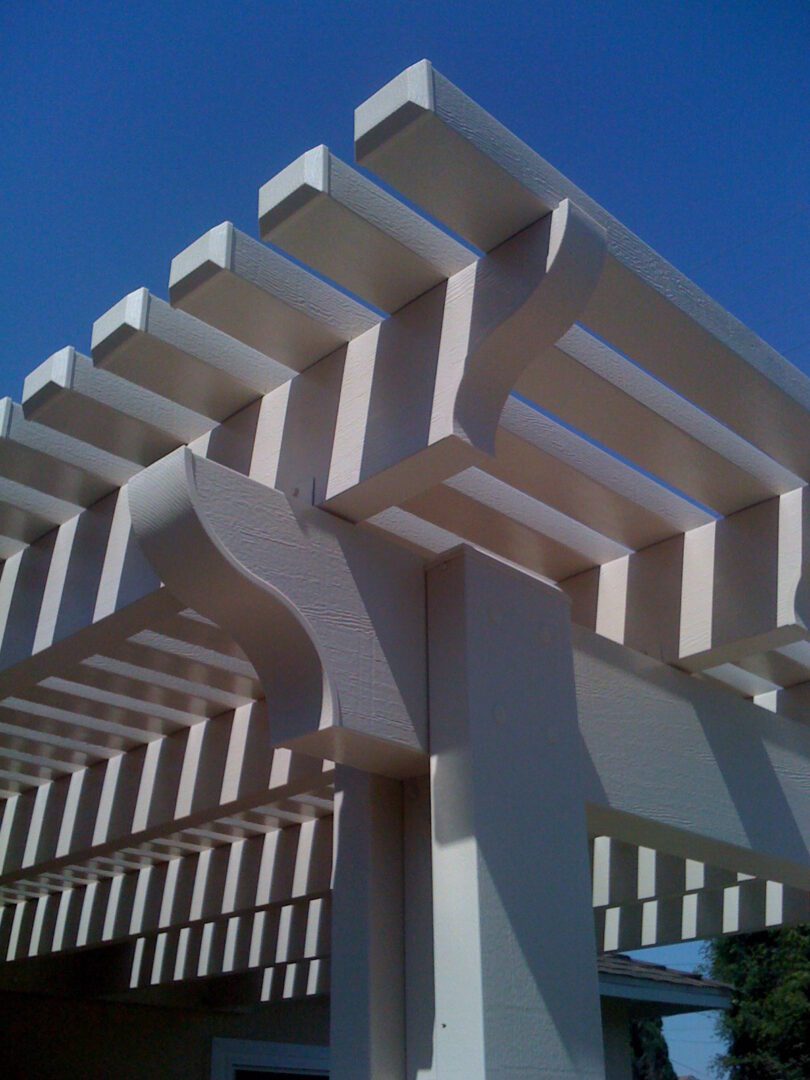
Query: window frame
point(228, 1055)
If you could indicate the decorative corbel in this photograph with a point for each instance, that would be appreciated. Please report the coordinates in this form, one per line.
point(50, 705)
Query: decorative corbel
point(332, 619)
point(525, 295)
point(423, 393)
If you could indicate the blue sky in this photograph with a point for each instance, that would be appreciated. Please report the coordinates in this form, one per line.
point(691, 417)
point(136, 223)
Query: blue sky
point(130, 129)
point(691, 1037)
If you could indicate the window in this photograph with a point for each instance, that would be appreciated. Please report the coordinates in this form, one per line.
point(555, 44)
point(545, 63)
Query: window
point(263, 1074)
point(249, 1059)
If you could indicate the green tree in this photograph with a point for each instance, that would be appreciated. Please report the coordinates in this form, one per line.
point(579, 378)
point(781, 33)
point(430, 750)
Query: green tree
point(767, 1029)
point(650, 1050)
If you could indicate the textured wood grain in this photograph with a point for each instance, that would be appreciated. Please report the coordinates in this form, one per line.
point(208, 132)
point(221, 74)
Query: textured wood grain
point(335, 621)
point(429, 140)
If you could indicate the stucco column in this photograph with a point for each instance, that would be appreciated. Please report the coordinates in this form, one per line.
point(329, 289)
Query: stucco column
point(367, 1037)
point(515, 959)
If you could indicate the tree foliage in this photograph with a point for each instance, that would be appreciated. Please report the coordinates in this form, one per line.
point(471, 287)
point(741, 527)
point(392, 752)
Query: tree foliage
point(767, 1029)
point(650, 1051)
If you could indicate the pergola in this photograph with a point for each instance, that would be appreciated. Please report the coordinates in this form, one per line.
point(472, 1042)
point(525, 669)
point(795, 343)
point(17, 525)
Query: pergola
point(406, 611)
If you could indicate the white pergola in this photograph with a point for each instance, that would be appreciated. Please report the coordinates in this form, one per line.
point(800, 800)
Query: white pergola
point(411, 627)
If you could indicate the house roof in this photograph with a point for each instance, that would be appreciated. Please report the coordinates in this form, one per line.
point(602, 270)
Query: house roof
point(622, 976)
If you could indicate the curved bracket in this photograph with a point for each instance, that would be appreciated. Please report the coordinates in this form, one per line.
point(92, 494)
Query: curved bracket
point(526, 295)
point(332, 620)
point(422, 397)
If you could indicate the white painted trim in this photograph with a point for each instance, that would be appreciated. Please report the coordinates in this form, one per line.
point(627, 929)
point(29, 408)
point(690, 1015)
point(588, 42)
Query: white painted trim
point(228, 1055)
point(693, 997)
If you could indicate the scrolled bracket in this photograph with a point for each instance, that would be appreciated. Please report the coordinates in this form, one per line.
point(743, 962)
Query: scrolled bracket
point(526, 295)
point(332, 619)
point(425, 392)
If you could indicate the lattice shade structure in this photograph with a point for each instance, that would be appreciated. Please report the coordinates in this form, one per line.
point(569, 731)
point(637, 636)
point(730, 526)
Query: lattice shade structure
point(410, 628)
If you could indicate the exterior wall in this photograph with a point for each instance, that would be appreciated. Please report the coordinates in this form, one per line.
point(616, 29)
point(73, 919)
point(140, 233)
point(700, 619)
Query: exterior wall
point(58, 1039)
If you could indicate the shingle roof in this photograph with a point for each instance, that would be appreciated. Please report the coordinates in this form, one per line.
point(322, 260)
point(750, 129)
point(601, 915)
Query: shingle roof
point(625, 966)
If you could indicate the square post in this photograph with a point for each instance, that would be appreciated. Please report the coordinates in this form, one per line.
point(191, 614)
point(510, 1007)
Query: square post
point(516, 983)
point(367, 1037)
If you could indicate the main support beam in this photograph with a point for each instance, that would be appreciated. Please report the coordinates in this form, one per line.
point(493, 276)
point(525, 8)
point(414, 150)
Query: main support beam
point(516, 983)
point(676, 764)
point(686, 767)
point(368, 1006)
point(332, 619)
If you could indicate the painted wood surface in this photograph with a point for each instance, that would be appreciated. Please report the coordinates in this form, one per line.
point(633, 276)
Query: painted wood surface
point(216, 535)
point(511, 998)
point(429, 140)
point(336, 220)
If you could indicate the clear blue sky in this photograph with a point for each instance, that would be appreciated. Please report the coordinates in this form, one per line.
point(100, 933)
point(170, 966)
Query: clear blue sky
point(130, 129)
point(691, 1037)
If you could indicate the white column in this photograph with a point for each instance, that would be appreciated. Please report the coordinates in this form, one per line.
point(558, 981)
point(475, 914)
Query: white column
point(418, 893)
point(515, 958)
point(367, 970)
